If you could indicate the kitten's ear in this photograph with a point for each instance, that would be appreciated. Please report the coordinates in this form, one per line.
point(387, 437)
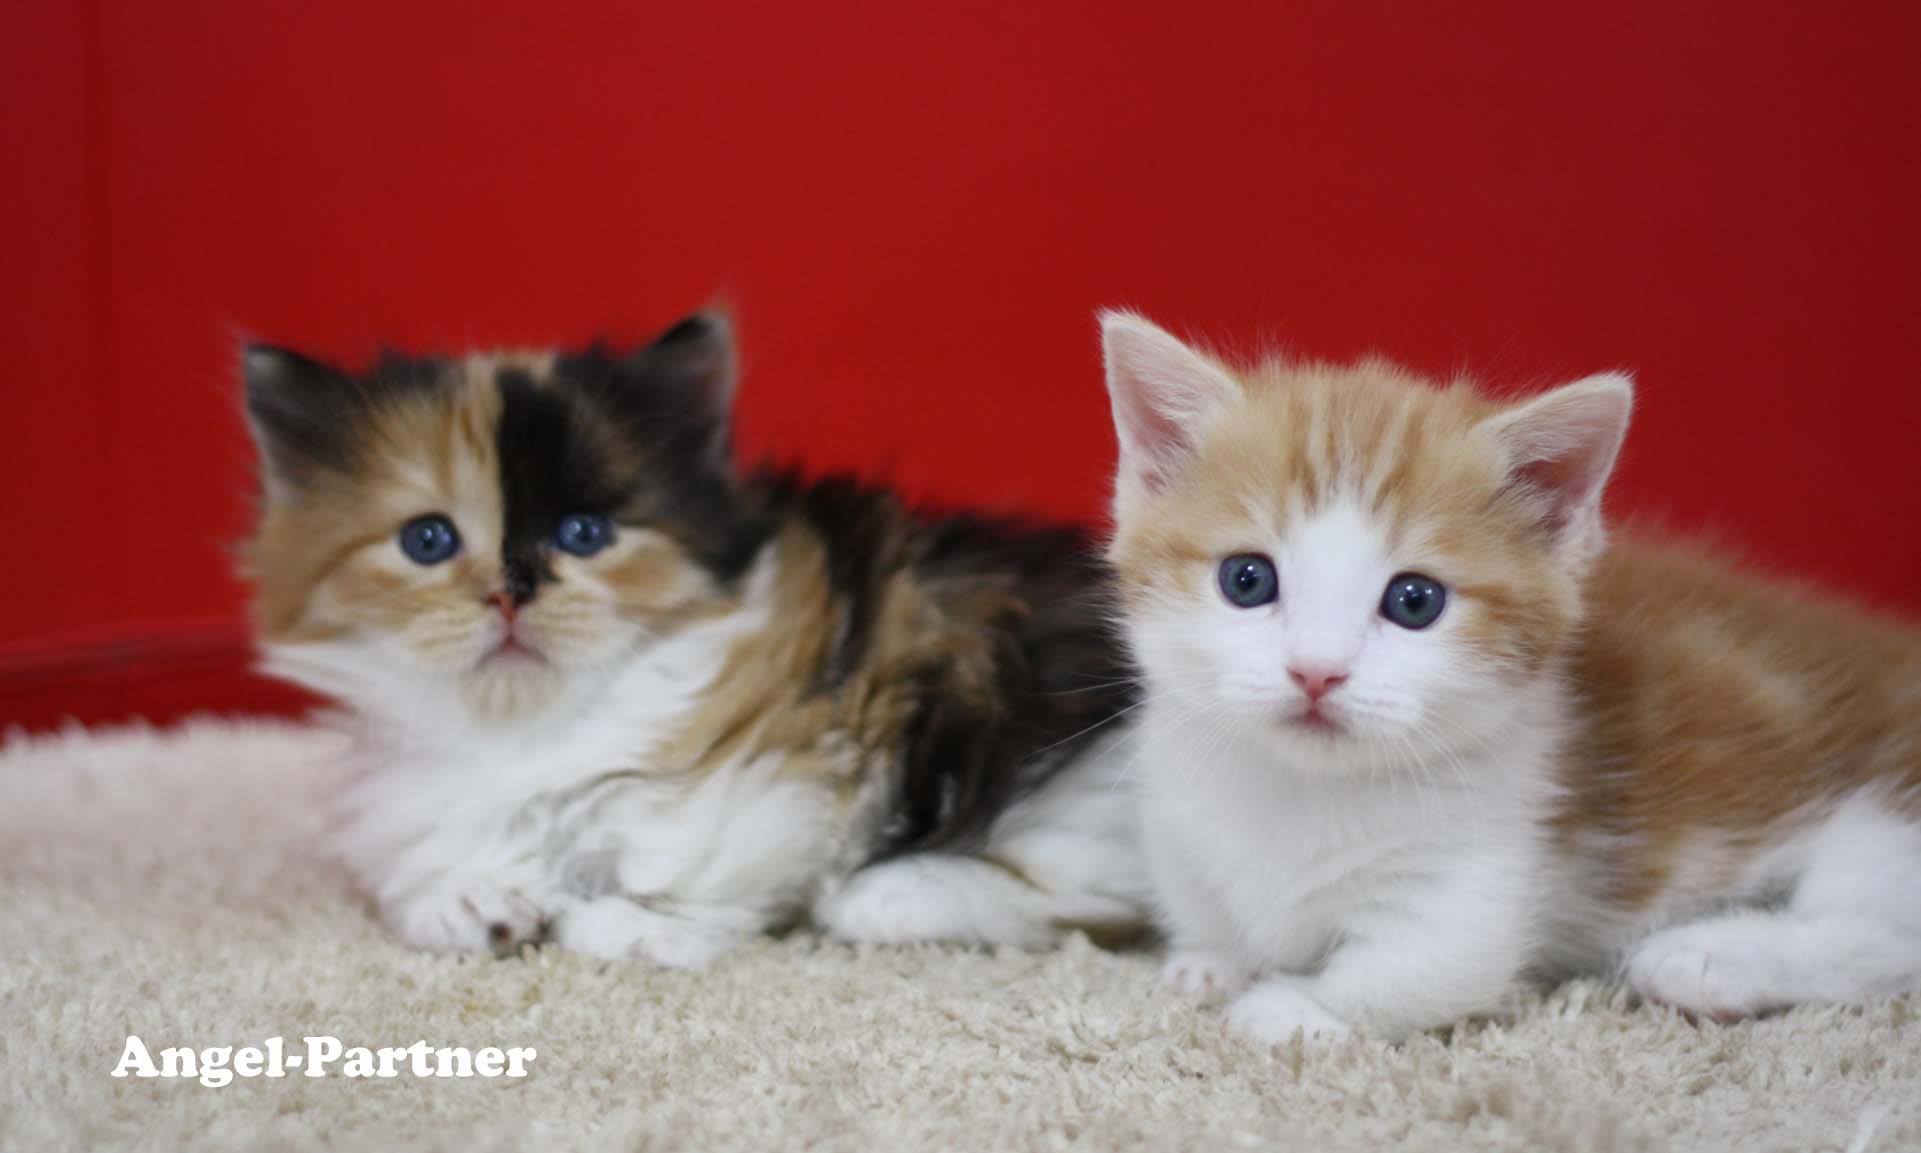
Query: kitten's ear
point(691, 368)
point(299, 410)
point(1163, 394)
point(696, 357)
point(1560, 447)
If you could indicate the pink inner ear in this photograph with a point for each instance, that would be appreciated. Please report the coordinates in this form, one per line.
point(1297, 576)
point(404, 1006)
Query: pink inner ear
point(1561, 482)
point(1562, 446)
point(1162, 392)
point(1157, 440)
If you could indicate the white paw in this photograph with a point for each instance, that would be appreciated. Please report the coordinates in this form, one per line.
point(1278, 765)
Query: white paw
point(1203, 974)
point(1274, 1012)
point(467, 915)
point(894, 903)
point(1682, 968)
point(617, 929)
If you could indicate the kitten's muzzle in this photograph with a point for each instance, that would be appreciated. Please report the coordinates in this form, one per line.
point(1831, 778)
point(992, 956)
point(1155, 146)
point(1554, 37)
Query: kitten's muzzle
point(1316, 681)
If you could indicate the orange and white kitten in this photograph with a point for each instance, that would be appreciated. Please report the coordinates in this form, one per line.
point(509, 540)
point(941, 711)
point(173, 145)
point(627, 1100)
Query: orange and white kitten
point(1416, 733)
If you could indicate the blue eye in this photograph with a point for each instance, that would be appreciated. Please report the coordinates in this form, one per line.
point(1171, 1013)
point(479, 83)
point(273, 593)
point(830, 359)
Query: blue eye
point(583, 533)
point(1248, 580)
point(429, 539)
point(1413, 601)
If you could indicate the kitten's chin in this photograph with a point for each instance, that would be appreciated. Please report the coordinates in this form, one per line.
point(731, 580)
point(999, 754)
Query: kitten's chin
point(1311, 724)
point(511, 685)
point(1320, 745)
point(1327, 744)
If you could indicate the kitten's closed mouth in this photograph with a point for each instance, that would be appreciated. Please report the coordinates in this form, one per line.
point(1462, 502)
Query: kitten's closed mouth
point(512, 648)
point(1313, 720)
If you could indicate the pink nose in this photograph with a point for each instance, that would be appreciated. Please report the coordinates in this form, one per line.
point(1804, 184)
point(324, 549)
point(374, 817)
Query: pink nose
point(1317, 680)
point(504, 603)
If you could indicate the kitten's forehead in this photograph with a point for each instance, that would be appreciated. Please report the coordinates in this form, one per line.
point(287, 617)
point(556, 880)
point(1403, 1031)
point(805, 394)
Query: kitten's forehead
point(1384, 445)
point(504, 420)
point(1333, 548)
point(531, 448)
point(1370, 435)
point(1338, 471)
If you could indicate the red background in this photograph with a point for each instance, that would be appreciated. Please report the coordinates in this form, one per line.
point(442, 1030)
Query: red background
point(914, 214)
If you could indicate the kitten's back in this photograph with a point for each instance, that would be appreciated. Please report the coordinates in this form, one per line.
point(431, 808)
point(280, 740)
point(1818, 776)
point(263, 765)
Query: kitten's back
point(991, 637)
point(1714, 706)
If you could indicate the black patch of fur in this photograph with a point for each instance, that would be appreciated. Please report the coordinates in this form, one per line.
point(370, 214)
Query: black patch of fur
point(859, 532)
point(1060, 677)
point(668, 404)
point(549, 468)
point(1058, 673)
point(306, 414)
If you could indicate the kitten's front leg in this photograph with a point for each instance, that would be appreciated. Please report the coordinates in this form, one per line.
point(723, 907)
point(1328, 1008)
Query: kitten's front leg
point(1275, 1010)
point(1456, 952)
point(680, 891)
point(1390, 988)
point(1199, 961)
point(466, 914)
point(673, 935)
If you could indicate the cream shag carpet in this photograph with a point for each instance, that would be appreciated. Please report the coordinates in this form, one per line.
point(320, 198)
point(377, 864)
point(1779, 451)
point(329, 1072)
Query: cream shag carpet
point(168, 885)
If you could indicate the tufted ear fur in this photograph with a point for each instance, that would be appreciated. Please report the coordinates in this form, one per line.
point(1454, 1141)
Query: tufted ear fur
point(690, 368)
point(1560, 448)
point(300, 410)
point(1163, 395)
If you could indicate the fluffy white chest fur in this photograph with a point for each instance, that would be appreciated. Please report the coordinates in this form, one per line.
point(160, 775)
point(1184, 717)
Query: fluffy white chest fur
point(555, 824)
point(1320, 883)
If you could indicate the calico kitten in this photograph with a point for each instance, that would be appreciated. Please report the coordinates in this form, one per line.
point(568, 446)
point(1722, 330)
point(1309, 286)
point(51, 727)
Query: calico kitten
point(612, 693)
point(1415, 731)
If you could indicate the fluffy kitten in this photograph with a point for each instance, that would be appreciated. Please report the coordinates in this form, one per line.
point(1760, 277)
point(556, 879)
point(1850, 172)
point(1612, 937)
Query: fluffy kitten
point(1415, 731)
point(609, 692)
